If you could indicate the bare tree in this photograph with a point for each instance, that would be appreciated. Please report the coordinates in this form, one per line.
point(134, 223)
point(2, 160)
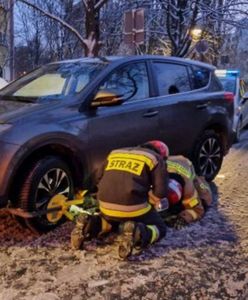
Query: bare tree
point(91, 43)
point(181, 18)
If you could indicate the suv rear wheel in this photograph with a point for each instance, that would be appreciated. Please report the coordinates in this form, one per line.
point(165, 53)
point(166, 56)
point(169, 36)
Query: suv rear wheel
point(46, 178)
point(208, 155)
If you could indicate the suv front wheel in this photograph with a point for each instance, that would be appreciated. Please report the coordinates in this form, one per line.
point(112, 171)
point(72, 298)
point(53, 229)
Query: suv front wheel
point(208, 155)
point(47, 177)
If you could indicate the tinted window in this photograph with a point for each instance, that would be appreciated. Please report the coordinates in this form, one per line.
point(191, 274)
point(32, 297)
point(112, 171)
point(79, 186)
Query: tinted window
point(200, 77)
point(129, 82)
point(171, 78)
point(215, 83)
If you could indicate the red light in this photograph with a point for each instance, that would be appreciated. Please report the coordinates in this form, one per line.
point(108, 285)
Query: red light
point(229, 97)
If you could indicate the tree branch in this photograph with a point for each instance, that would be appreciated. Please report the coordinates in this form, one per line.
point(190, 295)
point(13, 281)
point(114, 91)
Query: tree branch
point(57, 19)
point(85, 5)
point(99, 4)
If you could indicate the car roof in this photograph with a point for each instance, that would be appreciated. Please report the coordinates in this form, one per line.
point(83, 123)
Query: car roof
point(122, 59)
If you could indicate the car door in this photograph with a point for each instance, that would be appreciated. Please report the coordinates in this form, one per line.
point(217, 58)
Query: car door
point(182, 111)
point(133, 122)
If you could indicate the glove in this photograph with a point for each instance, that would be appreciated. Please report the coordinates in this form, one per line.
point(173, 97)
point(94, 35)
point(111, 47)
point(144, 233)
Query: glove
point(179, 223)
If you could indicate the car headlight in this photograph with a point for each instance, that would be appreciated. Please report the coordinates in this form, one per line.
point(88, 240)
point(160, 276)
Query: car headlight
point(4, 127)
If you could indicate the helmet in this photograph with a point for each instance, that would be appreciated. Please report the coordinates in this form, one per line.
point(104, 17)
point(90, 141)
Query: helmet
point(159, 147)
point(175, 191)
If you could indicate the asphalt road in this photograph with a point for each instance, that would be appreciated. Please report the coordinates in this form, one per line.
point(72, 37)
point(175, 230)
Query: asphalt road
point(207, 260)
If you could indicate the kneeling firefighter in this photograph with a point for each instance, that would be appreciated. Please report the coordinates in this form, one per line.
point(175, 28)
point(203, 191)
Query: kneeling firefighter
point(130, 176)
point(189, 195)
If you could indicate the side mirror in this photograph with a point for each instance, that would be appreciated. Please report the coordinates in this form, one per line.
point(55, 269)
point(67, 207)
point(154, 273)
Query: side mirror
point(106, 98)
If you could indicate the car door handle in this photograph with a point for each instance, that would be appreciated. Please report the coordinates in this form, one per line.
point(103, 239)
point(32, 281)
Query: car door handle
point(202, 106)
point(150, 114)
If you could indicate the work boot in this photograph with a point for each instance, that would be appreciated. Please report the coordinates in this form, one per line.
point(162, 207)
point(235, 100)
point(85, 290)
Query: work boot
point(81, 231)
point(130, 239)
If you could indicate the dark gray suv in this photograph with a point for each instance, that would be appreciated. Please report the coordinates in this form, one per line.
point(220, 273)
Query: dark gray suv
point(58, 122)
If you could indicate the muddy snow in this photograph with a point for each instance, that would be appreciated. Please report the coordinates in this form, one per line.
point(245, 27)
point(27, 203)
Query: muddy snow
point(207, 260)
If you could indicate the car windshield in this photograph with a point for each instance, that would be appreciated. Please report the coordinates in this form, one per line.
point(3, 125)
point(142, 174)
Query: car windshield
point(54, 81)
point(229, 84)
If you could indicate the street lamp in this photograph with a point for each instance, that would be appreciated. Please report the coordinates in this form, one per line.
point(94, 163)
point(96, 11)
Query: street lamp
point(196, 33)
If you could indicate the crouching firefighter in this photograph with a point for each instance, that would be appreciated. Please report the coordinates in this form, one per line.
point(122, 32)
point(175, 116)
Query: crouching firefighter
point(129, 177)
point(189, 195)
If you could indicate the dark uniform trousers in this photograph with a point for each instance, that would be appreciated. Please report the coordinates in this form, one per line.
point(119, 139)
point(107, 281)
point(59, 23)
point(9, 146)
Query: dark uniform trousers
point(155, 228)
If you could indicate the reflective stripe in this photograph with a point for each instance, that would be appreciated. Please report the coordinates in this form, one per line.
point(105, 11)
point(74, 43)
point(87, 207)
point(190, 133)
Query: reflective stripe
point(106, 227)
point(121, 207)
point(139, 152)
point(190, 203)
point(124, 214)
point(171, 165)
point(139, 158)
point(155, 233)
point(130, 165)
point(192, 213)
point(203, 186)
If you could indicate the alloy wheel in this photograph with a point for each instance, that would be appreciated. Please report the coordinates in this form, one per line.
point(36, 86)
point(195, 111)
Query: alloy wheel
point(55, 181)
point(210, 157)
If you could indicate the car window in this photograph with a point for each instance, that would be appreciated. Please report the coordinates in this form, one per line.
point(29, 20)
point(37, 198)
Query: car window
point(129, 82)
point(215, 83)
point(171, 78)
point(53, 81)
point(200, 77)
point(48, 84)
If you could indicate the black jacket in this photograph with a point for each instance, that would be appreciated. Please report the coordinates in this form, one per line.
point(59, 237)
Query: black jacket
point(127, 177)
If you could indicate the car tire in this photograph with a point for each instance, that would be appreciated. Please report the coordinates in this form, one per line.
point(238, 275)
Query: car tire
point(208, 155)
point(46, 178)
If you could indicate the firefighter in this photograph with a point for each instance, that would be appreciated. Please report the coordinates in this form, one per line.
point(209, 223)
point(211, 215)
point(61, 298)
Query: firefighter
point(130, 177)
point(189, 195)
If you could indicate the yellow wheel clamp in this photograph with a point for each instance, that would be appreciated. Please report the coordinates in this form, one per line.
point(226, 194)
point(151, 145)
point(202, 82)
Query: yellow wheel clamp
point(57, 207)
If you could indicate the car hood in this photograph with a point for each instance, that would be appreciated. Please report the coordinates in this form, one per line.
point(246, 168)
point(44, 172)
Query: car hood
point(11, 111)
point(8, 108)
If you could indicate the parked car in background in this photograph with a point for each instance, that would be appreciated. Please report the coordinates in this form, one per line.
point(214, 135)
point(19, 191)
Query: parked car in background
point(232, 82)
point(58, 123)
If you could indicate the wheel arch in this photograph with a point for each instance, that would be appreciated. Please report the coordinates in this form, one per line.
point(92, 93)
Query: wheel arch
point(72, 159)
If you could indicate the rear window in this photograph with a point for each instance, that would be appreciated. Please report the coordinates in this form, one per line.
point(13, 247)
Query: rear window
point(200, 77)
point(171, 78)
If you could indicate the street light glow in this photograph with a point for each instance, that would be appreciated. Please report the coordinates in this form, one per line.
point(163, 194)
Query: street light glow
point(196, 33)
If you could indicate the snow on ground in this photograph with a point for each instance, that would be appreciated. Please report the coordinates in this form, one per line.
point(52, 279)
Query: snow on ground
point(207, 260)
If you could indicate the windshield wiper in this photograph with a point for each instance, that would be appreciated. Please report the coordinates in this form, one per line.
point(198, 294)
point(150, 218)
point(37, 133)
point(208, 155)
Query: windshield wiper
point(17, 98)
point(50, 97)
